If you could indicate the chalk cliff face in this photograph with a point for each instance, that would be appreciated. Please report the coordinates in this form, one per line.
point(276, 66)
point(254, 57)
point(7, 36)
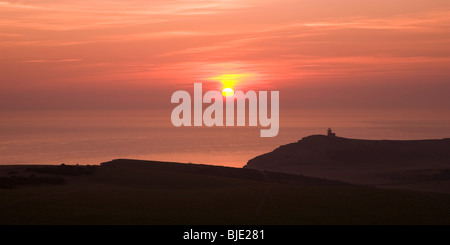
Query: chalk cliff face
point(341, 152)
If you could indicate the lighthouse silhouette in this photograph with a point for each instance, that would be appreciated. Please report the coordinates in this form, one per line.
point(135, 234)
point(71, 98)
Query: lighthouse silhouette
point(330, 133)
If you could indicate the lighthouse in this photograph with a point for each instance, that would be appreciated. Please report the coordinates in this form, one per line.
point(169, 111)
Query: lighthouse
point(330, 133)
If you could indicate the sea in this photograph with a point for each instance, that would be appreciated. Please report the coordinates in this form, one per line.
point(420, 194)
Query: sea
point(96, 136)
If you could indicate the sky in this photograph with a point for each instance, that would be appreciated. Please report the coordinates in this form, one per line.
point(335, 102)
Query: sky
point(343, 55)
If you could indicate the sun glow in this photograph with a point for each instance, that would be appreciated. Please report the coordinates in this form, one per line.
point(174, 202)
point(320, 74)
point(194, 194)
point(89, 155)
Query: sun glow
point(230, 81)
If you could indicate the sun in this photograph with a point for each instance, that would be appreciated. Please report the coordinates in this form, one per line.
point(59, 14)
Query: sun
point(227, 92)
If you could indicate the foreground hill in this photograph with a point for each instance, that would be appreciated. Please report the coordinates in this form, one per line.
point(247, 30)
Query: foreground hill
point(147, 192)
point(220, 171)
point(415, 164)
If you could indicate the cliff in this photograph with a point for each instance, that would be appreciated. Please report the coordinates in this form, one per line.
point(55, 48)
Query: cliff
point(341, 152)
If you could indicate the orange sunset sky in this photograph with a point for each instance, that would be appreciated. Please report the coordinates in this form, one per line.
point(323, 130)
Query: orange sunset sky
point(327, 54)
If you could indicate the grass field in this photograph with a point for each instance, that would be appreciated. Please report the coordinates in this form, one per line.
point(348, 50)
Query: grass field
point(139, 194)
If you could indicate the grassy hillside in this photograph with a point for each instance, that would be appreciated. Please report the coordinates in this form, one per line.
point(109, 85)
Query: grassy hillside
point(133, 192)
